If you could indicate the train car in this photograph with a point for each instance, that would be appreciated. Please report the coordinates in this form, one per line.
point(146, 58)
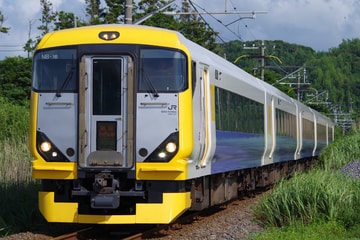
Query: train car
point(136, 125)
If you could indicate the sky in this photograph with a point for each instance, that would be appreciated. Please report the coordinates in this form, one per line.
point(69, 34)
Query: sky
point(319, 24)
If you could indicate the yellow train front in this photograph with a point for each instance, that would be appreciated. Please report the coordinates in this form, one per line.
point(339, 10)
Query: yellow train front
point(111, 129)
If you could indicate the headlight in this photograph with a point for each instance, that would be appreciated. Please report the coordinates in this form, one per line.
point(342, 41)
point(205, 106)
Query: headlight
point(48, 150)
point(162, 155)
point(165, 151)
point(45, 146)
point(170, 147)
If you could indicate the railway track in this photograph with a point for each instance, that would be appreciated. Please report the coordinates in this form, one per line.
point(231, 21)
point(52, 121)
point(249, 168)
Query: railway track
point(135, 232)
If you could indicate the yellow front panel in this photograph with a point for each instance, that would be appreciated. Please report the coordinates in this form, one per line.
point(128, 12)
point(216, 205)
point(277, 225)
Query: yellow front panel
point(128, 34)
point(53, 170)
point(174, 204)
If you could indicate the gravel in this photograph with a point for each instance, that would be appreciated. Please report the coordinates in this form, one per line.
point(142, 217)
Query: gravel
point(352, 169)
point(235, 221)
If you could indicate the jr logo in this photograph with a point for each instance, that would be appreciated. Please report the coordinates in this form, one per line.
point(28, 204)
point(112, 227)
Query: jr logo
point(172, 108)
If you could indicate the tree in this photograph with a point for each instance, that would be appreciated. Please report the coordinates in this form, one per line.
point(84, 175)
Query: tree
point(47, 17)
point(189, 25)
point(196, 30)
point(115, 11)
point(146, 7)
point(2, 20)
point(95, 12)
point(30, 46)
point(65, 20)
point(15, 79)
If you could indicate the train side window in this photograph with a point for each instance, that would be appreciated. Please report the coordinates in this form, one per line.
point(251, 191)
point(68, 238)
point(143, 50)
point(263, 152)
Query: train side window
point(238, 113)
point(193, 76)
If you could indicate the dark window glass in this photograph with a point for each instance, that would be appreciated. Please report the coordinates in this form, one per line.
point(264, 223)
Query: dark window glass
point(106, 87)
point(286, 123)
point(55, 70)
point(162, 71)
point(238, 113)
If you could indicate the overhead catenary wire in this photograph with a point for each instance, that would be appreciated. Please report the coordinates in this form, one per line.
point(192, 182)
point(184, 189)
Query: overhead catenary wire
point(211, 15)
point(192, 4)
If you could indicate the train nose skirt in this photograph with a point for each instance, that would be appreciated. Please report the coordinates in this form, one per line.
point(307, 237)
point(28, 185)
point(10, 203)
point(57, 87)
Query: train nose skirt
point(105, 201)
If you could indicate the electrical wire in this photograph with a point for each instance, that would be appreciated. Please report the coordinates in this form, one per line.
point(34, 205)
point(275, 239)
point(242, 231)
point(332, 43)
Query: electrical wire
point(10, 48)
point(219, 21)
point(207, 24)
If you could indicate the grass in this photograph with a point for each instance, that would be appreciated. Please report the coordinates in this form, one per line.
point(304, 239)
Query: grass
point(320, 204)
point(316, 231)
point(311, 197)
point(19, 211)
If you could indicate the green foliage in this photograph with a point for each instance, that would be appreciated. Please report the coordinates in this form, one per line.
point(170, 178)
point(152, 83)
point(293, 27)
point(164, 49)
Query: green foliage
point(14, 120)
point(64, 20)
point(17, 189)
point(307, 198)
point(189, 25)
point(116, 9)
point(2, 19)
point(94, 11)
point(47, 16)
point(342, 151)
point(315, 231)
point(20, 213)
point(320, 204)
point(146, 7)
point(15, 79)
point(192, 27)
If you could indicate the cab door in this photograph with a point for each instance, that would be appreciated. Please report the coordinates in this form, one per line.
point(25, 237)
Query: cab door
point(103, 112)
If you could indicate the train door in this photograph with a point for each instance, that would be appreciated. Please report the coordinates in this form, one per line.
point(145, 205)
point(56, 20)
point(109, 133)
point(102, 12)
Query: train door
point(202, 118)
point(270, 135)
point(102, 112)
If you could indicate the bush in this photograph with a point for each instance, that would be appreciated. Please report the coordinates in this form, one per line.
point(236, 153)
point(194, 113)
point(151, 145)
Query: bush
point(311, 197)
point(14, 120)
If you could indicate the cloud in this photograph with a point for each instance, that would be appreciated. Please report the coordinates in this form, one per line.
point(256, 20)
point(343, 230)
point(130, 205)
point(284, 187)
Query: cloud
point(320, 24)
point(19, 15)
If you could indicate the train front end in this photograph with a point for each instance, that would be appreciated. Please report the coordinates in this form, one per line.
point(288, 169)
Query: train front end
point(111, 126)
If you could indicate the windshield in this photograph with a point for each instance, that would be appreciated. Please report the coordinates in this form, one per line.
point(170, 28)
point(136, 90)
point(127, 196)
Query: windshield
point(54, 70)
point(162, 71)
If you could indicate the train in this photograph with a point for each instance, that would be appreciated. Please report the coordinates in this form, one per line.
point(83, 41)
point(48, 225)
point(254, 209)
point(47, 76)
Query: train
point(137, 125)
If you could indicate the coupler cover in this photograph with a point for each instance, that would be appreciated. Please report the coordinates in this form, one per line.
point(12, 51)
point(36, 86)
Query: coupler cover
point(105, 201)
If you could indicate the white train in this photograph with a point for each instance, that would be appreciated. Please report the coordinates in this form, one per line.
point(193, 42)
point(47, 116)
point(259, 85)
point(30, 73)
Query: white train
point(134, 124)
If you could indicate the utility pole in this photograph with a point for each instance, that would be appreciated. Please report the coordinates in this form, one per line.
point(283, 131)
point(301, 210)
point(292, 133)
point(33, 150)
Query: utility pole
point(262, 57)
point(128, 11)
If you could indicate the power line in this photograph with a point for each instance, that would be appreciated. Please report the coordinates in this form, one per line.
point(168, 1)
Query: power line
point(211, 14)
point(15, 50)
point(192, 4)
point(8, 45)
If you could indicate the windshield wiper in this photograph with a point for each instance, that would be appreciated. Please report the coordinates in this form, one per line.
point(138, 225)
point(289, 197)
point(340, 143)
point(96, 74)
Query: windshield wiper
point(65, 82)
point(152, 89)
